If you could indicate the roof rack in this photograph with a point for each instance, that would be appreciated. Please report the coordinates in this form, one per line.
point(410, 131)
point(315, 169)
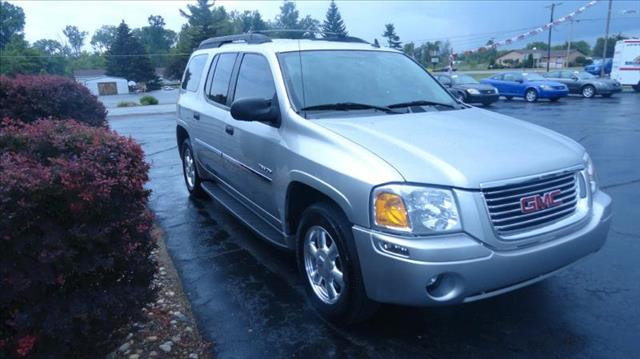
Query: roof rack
point(312, 35)
point(249, 38)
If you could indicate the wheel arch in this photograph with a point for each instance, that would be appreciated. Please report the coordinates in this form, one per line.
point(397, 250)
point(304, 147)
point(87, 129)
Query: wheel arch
point(302, 192)
point(181, 135)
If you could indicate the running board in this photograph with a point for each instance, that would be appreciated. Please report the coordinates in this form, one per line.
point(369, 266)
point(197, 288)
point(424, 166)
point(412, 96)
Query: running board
point(244, 214)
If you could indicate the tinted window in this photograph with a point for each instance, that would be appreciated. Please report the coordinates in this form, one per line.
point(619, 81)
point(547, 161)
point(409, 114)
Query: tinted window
point(498, 77)
point(254, 78)
point(192, 75)
point(221, 77)
point(554, 74)
point(512, 77)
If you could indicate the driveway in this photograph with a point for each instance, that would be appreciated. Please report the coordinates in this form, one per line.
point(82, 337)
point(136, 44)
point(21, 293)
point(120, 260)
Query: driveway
point(249, 302)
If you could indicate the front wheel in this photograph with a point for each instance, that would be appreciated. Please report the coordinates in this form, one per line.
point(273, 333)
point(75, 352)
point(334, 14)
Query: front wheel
point(329, 266)
point(531, 95)
point(588, 91)
point(190, 171)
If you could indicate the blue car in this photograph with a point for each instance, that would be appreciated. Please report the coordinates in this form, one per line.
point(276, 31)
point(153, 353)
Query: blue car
point(528, 85)
point(596, 66)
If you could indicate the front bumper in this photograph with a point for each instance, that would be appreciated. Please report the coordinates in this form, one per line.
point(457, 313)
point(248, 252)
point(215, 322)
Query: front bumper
point(482, 98)
point(469, 269)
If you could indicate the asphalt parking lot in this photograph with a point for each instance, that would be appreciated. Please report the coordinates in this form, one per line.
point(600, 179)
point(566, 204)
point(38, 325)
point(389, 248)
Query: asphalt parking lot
point(249, 302)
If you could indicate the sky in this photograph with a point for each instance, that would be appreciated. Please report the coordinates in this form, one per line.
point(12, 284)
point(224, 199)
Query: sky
point(466, 24)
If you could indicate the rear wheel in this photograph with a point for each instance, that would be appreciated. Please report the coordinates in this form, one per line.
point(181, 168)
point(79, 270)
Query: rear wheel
point(588, 91)
point(190, 170)
point(329, 266)
point(531, 95)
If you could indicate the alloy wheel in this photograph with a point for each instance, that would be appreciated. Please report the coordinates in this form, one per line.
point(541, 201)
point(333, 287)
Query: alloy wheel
point(189, 168)
point(531, 95)
point(323, 265)
point(588, 91)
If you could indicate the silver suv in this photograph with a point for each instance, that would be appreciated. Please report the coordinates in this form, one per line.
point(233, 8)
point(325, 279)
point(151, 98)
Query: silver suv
point(387, 188)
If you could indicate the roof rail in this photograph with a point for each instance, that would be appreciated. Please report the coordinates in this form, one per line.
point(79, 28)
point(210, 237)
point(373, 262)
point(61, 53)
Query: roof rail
point(311, 35)
point(250, 38)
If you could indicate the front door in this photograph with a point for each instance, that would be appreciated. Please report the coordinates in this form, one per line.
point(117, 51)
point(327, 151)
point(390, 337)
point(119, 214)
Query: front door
point(255, 145)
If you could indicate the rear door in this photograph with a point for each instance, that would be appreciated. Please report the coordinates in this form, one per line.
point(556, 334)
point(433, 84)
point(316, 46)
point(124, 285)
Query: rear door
point(214, 120)
point(256, 145)
point(190, 103)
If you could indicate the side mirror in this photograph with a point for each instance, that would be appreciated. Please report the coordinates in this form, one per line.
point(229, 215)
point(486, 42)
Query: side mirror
point(256, 109)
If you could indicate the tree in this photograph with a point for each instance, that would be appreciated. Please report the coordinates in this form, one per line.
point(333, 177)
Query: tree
point(50, 47)
point(247, 21)
point(393, 40)
point(410, 49)
point(127, 58)
point(156, 39)
point(75, 37)
point(581, 46)
point(289, 19)
point(611, 45)
point(11, 22)
point(538, 45)
point(204, 20)
point(19, 58)
point(103, 38)
point(528, 63)
point(333, 24)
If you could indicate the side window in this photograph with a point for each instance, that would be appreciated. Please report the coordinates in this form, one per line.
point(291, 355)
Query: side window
point(192, 74)
point(554, 74)
point(254, 78)
point(509, 77)
point(219, 87)
point(567, 75)
point(498, 77)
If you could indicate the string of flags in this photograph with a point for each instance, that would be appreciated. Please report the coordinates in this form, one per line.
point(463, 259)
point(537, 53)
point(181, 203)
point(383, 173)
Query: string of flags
point(535, 31)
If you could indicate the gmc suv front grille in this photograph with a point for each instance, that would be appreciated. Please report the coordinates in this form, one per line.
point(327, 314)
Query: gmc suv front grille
point(528, 205)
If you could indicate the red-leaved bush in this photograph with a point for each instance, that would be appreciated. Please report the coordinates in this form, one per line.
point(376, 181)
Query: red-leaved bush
point(30, 98)
point(75, 239)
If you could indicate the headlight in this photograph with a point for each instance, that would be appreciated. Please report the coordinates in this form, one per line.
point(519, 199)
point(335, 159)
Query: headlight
point(473, 92)
point(591, 173)
point(415, 209)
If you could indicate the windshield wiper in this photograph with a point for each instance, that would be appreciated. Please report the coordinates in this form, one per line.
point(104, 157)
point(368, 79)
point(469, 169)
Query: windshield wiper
point(420, 103)
point(346, 106)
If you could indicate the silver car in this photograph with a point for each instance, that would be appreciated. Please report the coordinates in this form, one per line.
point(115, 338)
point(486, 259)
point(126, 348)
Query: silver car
point(584, 83)
point(387, 188)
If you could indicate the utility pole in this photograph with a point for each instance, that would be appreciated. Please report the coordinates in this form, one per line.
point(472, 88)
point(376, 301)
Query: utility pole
point(553, 7)
point(566, 61)
point(606, 40)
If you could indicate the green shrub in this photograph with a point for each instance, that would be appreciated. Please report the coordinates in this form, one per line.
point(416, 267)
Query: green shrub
point(127, 104)
point(148, 100)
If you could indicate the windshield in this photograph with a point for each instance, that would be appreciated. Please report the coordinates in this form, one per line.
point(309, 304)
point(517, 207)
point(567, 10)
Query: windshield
point(463, 79)
point(585, 75)
point(533, 77)
point(377, 78)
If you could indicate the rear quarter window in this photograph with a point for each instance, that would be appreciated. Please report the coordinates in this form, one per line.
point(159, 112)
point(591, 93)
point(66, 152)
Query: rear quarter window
point(192, 74)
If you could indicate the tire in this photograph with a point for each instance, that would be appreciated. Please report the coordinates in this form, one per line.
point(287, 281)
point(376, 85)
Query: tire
point(509, 98)
point(349, 303)
point(636, 88)
point(190, 170)
point(588, 91)
point(531, 95)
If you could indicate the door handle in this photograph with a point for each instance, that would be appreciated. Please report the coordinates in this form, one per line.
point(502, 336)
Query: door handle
point(229, 130)
point(196, 116)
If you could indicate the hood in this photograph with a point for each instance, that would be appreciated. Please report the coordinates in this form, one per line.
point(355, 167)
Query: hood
point(475, 86)
point(462, 148)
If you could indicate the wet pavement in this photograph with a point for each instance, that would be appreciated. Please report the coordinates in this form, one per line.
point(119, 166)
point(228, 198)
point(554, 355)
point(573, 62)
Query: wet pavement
point(249, 301)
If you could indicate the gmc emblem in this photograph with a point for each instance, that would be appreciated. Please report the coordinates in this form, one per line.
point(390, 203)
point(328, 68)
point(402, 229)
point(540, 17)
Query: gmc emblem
point(539, 202)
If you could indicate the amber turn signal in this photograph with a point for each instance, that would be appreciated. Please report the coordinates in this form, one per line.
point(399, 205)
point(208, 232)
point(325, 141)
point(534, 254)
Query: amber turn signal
point(390, 211)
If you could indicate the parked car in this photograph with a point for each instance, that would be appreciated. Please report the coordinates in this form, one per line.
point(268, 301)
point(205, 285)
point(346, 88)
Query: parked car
point(469, 90)
point(529, 85)
point(596, 66)
point(626, 63)
point(584, 83)
point(386, 187)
